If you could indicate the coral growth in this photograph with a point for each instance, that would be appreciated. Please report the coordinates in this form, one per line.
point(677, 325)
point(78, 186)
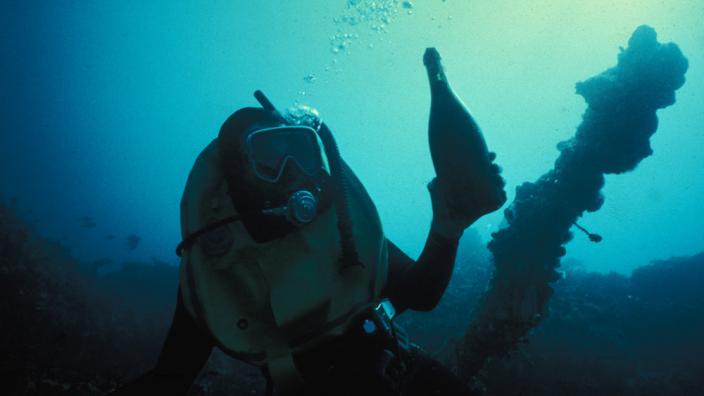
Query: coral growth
point(614, 137)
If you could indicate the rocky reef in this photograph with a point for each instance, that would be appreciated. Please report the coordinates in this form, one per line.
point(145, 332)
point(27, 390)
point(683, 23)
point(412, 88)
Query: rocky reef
point(70, 328)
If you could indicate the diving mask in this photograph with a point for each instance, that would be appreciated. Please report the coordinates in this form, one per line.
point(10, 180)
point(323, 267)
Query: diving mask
point(271, 149)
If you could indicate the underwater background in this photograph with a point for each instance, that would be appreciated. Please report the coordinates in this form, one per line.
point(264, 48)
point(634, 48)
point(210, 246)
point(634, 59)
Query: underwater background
point(105, 106)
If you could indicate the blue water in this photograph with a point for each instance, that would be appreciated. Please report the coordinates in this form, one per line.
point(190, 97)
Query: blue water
point(105, 106)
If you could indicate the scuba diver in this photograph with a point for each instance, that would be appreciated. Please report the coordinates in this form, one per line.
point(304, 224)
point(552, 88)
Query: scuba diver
point(284, 265)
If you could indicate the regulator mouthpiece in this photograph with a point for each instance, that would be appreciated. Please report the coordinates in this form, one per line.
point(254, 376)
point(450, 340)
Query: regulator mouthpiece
point(301, 208)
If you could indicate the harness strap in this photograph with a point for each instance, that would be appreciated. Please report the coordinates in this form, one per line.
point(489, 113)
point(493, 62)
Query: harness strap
point(190, 239)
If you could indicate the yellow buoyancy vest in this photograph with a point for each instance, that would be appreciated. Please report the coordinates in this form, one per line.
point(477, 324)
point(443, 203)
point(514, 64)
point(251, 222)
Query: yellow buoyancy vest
point(264, 302)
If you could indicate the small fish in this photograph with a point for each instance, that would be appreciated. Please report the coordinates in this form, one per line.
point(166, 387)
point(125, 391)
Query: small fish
point(132, 242)
point(110, 237)
point(87, 222)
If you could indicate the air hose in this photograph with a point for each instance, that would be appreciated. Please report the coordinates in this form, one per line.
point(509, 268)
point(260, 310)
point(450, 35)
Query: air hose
point(349, 256)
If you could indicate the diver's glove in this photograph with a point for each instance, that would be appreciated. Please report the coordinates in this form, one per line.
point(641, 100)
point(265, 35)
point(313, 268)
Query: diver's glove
point(448, 220)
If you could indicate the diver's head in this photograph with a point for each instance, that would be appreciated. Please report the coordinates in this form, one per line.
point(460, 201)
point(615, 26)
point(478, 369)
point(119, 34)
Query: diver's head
point(276, 170)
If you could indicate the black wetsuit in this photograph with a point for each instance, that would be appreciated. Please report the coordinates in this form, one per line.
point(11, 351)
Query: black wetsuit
point(345, 366)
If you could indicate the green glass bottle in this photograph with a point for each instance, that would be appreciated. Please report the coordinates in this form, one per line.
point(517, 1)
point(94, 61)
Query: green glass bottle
point(460, 155)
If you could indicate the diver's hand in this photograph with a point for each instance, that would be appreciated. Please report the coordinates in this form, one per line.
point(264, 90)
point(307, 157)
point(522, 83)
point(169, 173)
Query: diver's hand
point(448, 219)
point(499, 183)
point(444, 222)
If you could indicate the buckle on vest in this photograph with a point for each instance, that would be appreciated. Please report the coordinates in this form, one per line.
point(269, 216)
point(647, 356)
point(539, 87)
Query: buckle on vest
point(390, 365)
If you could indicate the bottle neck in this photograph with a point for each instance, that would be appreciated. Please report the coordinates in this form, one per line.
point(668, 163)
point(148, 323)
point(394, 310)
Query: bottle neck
point(437, 79)
point(436, 73)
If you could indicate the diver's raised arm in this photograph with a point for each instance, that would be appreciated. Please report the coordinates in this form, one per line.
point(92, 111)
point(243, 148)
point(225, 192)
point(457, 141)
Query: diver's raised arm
point(420, 284)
